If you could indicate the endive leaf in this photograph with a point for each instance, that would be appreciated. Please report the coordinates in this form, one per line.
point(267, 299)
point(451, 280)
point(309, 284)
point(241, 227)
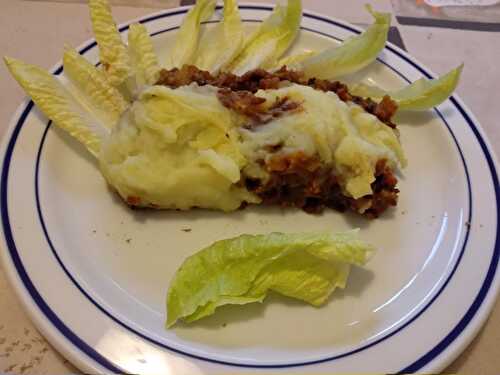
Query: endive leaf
point(186, 42)
point(293, 61)
point(420, 95)
point(306, 266)
point(58, 104)
point(143, 56)
point(220, 45)
point(112, 51)
point(353, 54)
point(271, 40)
point(93, 89)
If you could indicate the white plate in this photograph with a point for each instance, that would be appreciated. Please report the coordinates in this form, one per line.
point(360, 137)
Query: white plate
point(93, 274)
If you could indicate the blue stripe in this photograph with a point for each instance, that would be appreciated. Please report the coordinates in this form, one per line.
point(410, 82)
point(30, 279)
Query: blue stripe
point(101, 360)
point(11, 245)
point(483, 292)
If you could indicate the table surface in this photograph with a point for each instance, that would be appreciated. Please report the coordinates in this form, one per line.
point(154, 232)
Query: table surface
point(36, 31)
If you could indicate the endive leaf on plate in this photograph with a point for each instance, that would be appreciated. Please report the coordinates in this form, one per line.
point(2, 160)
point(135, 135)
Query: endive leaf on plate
point(240, 270)
point(186, 41)
point(93, 89)
point(420, 95)
point(112, 51)
point(271, 40)
point(293, 61)
point(58, 104)
point(353, 54)
point(143, 56)
point(220, 45)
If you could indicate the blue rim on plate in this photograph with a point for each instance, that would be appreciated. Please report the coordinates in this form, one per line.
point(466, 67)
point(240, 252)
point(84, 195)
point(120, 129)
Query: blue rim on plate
point(85, 348)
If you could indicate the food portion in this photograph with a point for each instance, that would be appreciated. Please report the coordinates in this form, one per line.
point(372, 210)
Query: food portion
point(241, 270)
point(306, 143)
point(222, 124)
point(176, 149)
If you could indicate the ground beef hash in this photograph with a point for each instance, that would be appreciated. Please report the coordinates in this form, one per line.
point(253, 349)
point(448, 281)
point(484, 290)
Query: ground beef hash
point(300, 181)
point(296, 179)
point(258, 79)
point(254, 108)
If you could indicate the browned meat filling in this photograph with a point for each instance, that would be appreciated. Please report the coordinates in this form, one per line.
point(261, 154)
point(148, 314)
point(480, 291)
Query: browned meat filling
point(295, 180)
point(257, 79)
point(253, 107)
point(300, 181)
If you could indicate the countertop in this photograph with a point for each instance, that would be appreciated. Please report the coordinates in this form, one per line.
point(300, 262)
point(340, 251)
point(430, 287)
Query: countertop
point(36, 31)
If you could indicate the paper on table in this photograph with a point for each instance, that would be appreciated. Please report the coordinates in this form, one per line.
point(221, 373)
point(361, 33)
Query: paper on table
point(461, 3)
point(483, 15)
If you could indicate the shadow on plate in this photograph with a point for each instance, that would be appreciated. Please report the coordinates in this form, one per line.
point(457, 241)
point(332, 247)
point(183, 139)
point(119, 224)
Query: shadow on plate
point(414, 118)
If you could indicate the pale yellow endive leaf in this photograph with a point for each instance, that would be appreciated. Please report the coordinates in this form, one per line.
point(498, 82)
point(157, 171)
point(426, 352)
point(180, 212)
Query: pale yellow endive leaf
point(143, 56)
point(57, 103)
point(91, 86)
point(112, 51)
